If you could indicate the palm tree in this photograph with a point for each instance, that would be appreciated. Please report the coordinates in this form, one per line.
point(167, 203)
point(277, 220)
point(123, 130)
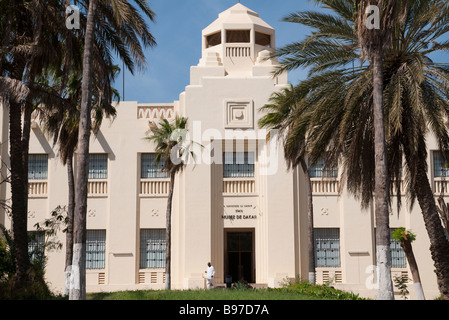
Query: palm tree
point(28, 47)
point(278, 116)
point(405, 238)
point(374, 43)
point(123, 27)
point(340, 111)
point(78, 275)
point(174, 152)
point(428, 20)
point(34, 38)
point(62, 126)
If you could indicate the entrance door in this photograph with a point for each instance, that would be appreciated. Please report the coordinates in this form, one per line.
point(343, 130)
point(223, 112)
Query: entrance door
point(239, 256)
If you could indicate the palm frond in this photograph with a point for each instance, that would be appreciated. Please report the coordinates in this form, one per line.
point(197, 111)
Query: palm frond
point(172, 147)
point(15, 89)
point(334, 118)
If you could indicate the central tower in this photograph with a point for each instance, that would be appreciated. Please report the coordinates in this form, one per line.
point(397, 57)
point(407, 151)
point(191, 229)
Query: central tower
point(238, 40)
point(228, 211)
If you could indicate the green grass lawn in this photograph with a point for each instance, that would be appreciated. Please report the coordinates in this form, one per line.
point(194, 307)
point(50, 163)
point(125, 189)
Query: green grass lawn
point(300, 291)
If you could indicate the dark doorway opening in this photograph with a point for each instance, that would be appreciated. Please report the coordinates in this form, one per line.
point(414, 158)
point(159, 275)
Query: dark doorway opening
point(239, 255)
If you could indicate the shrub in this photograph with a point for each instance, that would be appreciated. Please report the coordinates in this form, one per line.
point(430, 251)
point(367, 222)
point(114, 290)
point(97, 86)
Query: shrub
point(38, 288)
point(7, 267)
point(241, 285)
point(322, 291)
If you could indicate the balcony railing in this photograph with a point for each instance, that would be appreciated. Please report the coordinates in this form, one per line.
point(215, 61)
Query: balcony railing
point(325, 186)
point(238, 51)
point(97, 188)
point(239, 186)
point(37, 188)
point(154, 187)
point(440, 185)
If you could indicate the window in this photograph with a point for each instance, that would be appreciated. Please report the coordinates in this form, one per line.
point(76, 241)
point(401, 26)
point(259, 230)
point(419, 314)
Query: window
point(95, 249)
point(319, 171)
point(36, 245)
point(237, 36)
point(213, 39)
point(149, 168)
point(238, 164)
point(263, 39)
point(440, 165)
point(37, 166)
point(98, 166)
point(327, 247)
point(152, 248)
point(398, 259)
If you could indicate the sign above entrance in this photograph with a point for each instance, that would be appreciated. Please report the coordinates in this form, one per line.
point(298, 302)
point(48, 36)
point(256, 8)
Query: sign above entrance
point(239, 211)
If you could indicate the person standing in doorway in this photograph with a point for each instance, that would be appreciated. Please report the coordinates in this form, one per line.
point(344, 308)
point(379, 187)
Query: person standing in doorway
point(210, 272)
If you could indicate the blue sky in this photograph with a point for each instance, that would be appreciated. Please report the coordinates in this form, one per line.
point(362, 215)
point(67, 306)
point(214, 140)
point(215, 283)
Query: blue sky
point(177, 30)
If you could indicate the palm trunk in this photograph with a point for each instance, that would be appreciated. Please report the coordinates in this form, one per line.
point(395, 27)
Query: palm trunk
point(385, 284)
point(19, 180)
point(71, 179)
point(444, 214)
point(18, 205)
point(26, 131)
point(69, 233)
point(407, 247)
point(24, 145)
point(168, 233)
point(311, 241)
point(67, 62)
point(78, 276)
point(439, 245)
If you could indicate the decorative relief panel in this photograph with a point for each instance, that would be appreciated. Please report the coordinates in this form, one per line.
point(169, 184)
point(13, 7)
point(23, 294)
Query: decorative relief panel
point(155, 112)
point(238, 113)
point(92, 213)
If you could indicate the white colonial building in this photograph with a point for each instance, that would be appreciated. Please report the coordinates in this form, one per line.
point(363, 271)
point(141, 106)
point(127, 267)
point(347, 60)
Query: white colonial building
point(238, 206)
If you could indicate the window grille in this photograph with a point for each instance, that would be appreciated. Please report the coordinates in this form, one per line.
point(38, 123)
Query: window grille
point(440, 166)
point(319, 171)
point(98, 166)
point(238, 164)
point(327, 247)
point(36, 245)
point(152, 248)
point(398, 258)
point(150, 168)
point(37, 166)
point(95, 249)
